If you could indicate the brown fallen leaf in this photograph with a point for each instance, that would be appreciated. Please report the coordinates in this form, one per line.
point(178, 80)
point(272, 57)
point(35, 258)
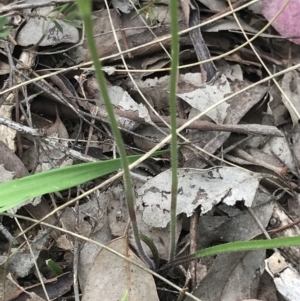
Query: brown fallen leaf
point(111, 276)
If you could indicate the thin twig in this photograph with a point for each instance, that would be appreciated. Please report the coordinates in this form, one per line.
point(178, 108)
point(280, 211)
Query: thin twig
point(246, 156)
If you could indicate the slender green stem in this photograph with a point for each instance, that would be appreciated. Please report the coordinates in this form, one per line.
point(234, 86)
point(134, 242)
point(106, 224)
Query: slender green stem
point(174, 155)
point(85, 8)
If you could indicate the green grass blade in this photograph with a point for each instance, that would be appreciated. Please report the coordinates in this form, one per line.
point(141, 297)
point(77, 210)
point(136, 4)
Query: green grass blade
point(3, 21)
point(13, 193)
point(4, 32)
point(58, 26)
point(237, 246)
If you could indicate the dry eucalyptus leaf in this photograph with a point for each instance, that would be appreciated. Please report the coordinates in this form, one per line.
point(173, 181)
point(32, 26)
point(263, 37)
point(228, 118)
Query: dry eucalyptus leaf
point(92, 216)
point(204, 188)
point(123, 101)
point(231, 71)
point(21, 263)
point(39, 29)
point(278, 147)
point(150, 132)
point(11, 288)
point(125, 6)
point(111, 276)
point(186, 6)
point(233, 276)
point(286, 278)
point(267, 290)
point(8, 135)
point(296, 143)
point(276, 108)
point(5, 175)
point(215, 5)
point(290, 84)
point(235, 224)
point(255, 8)
point(207, 95)
point(63, 243)
point(11, 162)
point(158, 88)
point(156, 61)
point(40, 161)
point(211, 141)
point(89, 252)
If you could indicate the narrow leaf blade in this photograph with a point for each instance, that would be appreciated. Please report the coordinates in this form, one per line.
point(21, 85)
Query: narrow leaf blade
point(13, 193)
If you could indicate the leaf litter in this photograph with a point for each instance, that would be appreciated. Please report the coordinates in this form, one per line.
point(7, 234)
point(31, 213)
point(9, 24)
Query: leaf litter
point(204, 189)
point(230, 203)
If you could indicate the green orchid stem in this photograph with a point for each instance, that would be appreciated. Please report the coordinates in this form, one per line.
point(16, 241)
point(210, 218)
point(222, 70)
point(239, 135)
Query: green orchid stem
point(174, 154)
point(237, 246)
point(85, 7)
